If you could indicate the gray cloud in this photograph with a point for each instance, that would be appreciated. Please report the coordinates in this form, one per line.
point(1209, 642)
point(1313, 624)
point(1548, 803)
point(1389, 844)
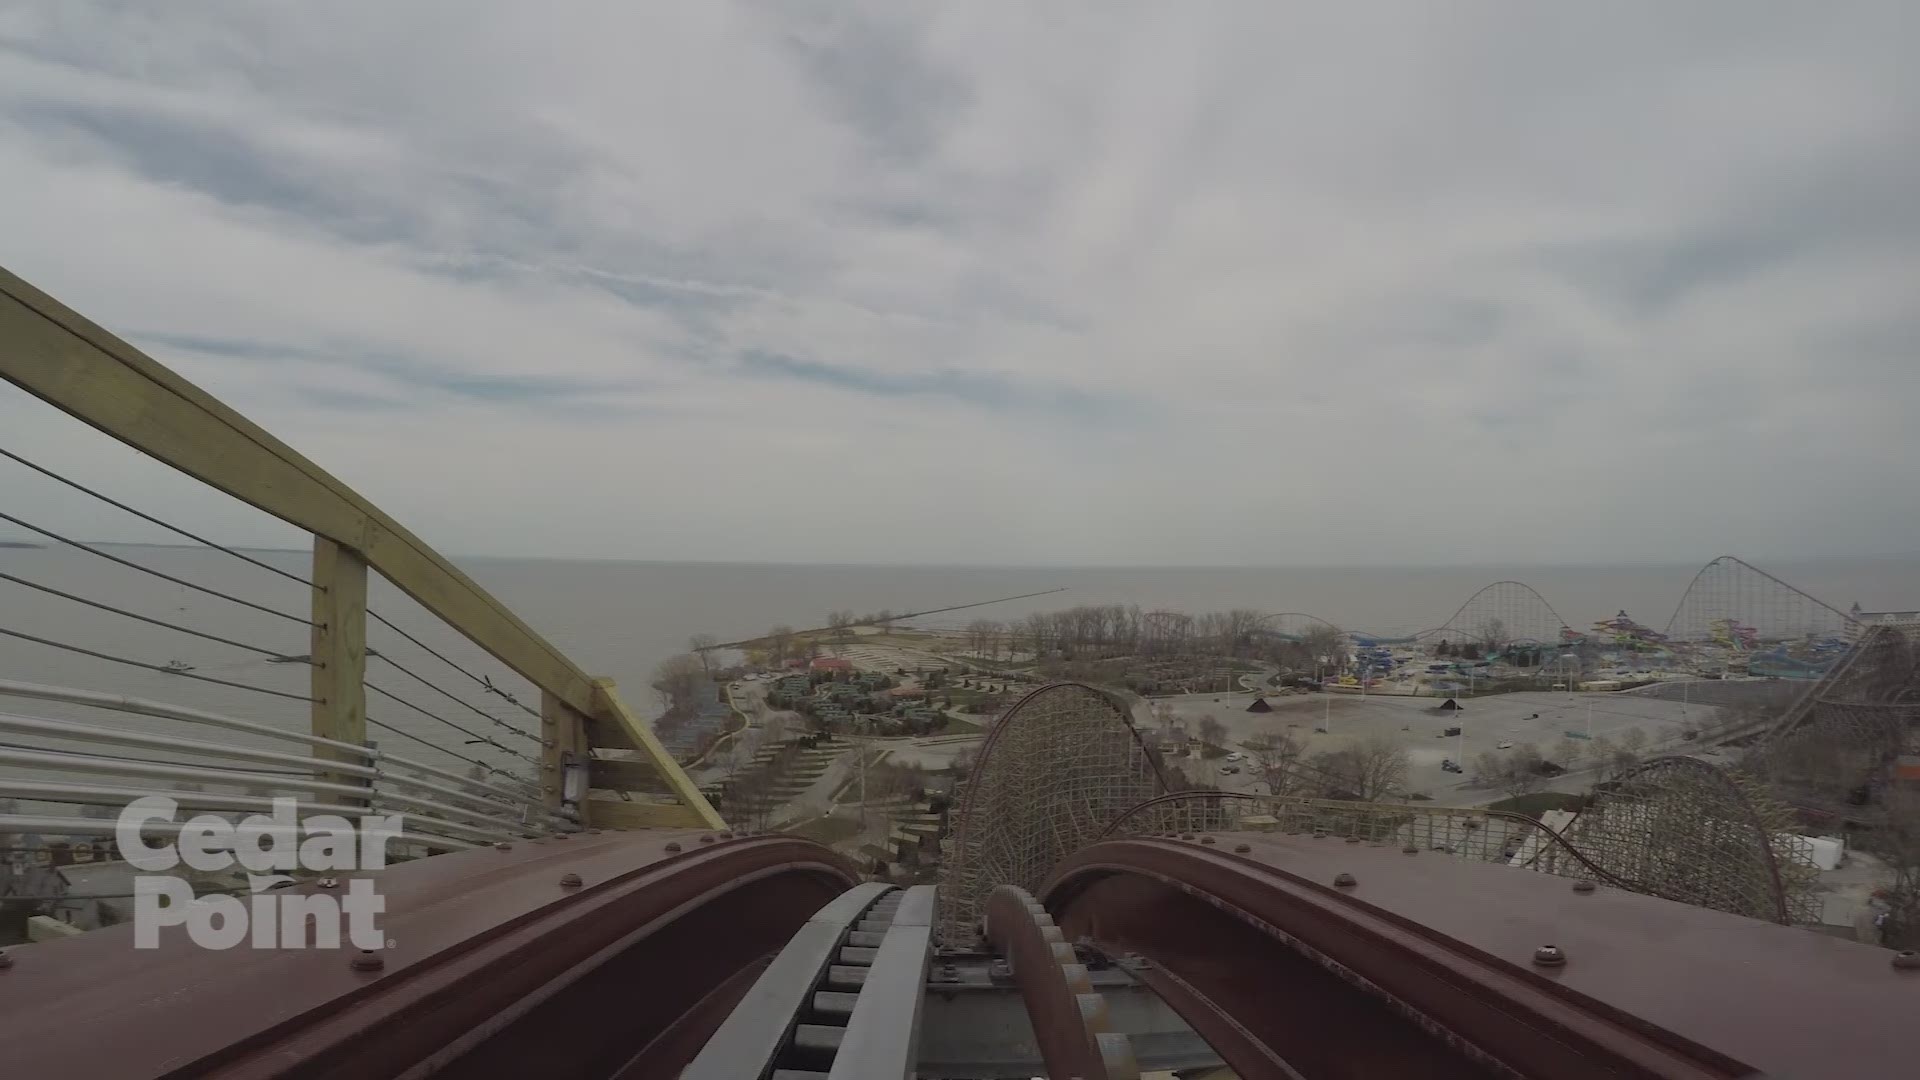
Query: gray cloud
point(1249, 283)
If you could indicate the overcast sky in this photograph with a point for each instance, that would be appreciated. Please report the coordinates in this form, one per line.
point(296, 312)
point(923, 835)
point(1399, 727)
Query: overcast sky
point(1003, 283)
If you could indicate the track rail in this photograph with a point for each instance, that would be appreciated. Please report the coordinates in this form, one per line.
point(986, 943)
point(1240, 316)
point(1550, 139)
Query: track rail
point(1317, 958)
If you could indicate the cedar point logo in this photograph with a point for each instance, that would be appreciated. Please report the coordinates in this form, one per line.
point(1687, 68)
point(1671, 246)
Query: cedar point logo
point(269, 848)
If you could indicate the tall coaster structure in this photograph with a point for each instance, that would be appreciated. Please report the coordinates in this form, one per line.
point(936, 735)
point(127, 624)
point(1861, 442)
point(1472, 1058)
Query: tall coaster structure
point(1056, 769)
point(1503, 613)
point(1729, 592)
point(1691, 831)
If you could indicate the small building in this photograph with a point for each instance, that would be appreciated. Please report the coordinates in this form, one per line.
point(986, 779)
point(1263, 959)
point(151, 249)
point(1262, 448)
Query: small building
point(1907, 622)
point(831, 663)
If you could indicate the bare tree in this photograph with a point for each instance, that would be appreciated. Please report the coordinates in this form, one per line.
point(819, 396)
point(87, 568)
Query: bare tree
point(1368, 769)
point(700, 645)
point(1493, 634)
point(1634, 741)
point(965, 761)
point(779, 645)
point(1273, 754)
point(1567, 753)
point(841, 623)
point(1322, 642)
point(983, 637)
point(677, 679)
point(1212, 731)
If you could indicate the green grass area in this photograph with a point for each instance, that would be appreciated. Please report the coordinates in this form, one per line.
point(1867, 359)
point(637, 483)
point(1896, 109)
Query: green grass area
point(827, 830)
point(1536, 803)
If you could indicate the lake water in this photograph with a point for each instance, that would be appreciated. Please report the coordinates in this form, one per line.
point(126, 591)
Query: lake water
point(621, 618)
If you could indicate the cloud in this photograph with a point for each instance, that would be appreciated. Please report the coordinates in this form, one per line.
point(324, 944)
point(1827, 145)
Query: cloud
point(1246, 283)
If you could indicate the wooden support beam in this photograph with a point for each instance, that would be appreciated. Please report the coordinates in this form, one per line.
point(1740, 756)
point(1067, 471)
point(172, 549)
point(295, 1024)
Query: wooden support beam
point(563, 739)
point(55, 354)
point(612, 711)
point(612, 812)
point(339, 647)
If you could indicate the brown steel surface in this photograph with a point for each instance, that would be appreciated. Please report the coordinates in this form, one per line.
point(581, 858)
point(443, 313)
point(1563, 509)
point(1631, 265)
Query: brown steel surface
point(1659, 985)
point(477, 937)
point(1066, 1043)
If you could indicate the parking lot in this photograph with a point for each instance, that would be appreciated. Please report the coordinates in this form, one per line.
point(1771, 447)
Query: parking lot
point(1542, 719)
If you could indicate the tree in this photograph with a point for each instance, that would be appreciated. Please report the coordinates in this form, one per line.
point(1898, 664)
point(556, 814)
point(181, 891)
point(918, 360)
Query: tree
point(700, 645)
point(1515, 773)
point(1897, 844)
point(677, 679)
point(965, 761)
point(1368, 769)
point(1493, 634)
point(1212, 731)
point(1323, 641)
point(841, 623)
point(983, 637)
point(1567, 752)
point(1634, 740)
point(1273, 754)
point(779, 645)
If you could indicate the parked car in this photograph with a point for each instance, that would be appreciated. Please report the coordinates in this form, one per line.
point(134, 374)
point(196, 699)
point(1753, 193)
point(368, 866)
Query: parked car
point(1235, 756)
point(1503, 745)
point(1450, 765)
point(1229, 770)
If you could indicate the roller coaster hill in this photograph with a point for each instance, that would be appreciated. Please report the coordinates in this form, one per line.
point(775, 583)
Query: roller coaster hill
point(565, 903)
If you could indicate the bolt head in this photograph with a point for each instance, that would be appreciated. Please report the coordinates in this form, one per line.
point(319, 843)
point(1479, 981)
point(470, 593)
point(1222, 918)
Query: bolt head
point(594, 832)
point(368, 960)
point(1906, 960)
point(1549, 956)
point(1344, 880)
point(673, 845)
point(1319, 833)
point(1242, 849)
point(1583, 885)
point(726, 835)
point(1410, 850)
point(1186, 836)
point(707, 839)
point(1206, 840)
point(503, 846)
point(328, 883)
point(559, 836)
point(570, 880)
point(1353, 839)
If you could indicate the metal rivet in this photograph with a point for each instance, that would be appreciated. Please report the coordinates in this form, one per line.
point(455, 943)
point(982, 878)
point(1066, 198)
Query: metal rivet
point(726, 836)
point(1409, 850)
point(569, 880)
point(1318, 833)
point(673, 845)
point(328, 883)
point(1583, 886)
point(559, 836)
point(548, 743)
point(1206, 839)
point(1186, 836)
point(1906, 960)
point(1344, 880)
point(708, 839)
point(1242, 848)
point(503, 846)
point(593, 832)
point(548, 788)
point(1353, 839)
point(1549, 956)
point(368, 960)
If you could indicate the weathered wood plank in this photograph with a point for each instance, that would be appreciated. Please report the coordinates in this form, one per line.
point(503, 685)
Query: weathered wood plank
point(611, 710)
point(339, 647)
point(611, 812)
point(73, 364)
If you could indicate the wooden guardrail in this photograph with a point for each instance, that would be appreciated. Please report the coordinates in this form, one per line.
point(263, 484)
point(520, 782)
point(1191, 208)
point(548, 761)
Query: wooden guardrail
point(59, 356)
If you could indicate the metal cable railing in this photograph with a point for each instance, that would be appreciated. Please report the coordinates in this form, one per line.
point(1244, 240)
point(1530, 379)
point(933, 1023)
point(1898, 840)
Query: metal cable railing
point(486, 684)
point(443, 809)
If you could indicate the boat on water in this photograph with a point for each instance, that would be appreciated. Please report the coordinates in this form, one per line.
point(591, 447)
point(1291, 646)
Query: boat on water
point(176, 667)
